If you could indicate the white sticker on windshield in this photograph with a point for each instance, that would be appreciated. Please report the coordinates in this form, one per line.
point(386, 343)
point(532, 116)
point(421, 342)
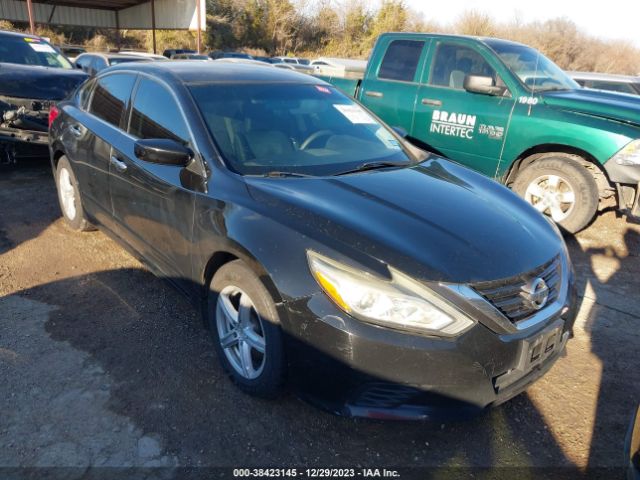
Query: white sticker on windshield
point(42, 47)
point(355, 114)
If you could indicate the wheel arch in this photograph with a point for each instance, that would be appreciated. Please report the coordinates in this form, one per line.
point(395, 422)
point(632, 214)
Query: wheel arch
point(590, 162)
point(230, 252)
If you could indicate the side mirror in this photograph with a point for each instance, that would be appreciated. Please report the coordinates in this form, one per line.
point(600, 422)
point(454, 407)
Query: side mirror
point(401, 132)
point(482, 85)
point(163, 151)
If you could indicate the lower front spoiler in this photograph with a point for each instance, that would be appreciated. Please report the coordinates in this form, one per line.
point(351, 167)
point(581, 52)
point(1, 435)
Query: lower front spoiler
point(16, 143)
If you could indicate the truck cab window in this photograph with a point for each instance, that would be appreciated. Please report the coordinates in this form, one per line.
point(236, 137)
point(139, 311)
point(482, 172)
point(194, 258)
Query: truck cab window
point(453, 63)
point(400, 62)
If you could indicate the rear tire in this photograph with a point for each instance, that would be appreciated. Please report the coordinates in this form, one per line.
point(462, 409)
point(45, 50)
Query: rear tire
point(562, 188)
point(245, 328)
point(69, 197)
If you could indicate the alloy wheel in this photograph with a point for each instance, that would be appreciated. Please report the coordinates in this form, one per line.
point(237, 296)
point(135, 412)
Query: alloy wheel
point(241, 332)
point(552, 195)
point(67, 194)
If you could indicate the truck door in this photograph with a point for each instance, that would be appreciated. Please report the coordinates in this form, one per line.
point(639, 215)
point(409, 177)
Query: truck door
point(470, 128)
point(390, 90)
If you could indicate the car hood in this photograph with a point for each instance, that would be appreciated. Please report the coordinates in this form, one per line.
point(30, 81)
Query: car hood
point(40, 83)
point(437, 220)
point(613, 106)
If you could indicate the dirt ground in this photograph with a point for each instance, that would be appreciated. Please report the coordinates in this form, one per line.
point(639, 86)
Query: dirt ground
point(102, 364)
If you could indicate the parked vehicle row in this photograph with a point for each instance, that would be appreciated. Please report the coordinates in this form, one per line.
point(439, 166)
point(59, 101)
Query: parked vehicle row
point(507, 111)
point(325, 247)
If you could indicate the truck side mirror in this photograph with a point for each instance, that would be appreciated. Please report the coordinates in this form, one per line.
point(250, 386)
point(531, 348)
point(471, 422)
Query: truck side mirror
point(482, 85)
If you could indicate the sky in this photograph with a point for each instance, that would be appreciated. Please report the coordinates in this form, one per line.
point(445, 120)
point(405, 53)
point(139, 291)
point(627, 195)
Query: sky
point(612, 19)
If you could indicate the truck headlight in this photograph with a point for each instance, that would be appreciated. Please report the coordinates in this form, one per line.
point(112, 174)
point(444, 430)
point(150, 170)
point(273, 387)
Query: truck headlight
point(629, 155)
point(399, 303)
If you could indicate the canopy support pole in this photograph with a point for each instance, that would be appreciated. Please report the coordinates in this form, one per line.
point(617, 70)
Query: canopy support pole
point(32, 25)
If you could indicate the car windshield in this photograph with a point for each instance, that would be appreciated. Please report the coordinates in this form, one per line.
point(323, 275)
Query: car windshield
point(536, 71)
point(294, 128)
point(31, 51)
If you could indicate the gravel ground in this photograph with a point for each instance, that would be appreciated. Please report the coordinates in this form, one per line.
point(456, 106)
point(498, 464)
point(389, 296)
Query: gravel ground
point(102, 364)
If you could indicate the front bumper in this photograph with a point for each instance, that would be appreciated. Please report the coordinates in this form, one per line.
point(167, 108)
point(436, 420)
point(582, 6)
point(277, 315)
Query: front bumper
point(627, 181)
point(355, 369)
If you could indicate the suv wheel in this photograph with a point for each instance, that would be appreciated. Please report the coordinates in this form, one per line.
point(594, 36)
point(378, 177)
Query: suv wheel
point(245, 328)
point(562, 188)
point(69, 197)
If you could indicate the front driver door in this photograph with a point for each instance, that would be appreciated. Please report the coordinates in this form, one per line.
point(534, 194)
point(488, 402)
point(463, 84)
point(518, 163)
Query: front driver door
point(152, 202)
point(470, 128)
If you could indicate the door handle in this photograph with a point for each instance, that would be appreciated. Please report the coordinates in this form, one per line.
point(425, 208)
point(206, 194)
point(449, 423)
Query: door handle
point(374, 94)
point(432, 102)
point(75, 130)
point(118, 164)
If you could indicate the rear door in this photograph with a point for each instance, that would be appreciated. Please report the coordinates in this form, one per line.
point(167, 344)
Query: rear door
point(390, 90)
point(153, 203)
point(470, 128)
point(95, 131)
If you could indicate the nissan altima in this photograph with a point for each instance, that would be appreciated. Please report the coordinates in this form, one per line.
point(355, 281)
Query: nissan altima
point(323, 248)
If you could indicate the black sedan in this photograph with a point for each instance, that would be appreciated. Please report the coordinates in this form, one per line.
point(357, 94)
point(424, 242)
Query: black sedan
point(381, 280)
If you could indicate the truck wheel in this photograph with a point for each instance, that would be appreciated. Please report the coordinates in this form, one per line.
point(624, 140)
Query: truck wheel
point(560, 187)
point(245, 327)
point(69, 197)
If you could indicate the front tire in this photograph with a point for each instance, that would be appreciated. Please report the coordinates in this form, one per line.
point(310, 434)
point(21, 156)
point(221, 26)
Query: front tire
point(562, 188)
point(69, 197)
point(245, 328)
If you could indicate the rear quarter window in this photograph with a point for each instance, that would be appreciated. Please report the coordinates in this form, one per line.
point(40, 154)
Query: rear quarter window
point(111, 96)
point(401, 60)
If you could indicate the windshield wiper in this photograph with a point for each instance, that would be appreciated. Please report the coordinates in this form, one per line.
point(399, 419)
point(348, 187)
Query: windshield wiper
point(373, 166)
point(279, 174)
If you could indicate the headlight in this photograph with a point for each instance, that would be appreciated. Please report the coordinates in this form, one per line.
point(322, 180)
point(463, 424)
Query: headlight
point(401, 303)
point(629, 155)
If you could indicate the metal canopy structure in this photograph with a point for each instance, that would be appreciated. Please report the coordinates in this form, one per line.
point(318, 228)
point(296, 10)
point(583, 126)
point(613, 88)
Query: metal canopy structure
point(114, 14)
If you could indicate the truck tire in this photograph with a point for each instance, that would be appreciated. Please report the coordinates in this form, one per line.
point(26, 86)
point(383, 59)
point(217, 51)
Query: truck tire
point(561, 187)
point(69, 197)
point(245, 327)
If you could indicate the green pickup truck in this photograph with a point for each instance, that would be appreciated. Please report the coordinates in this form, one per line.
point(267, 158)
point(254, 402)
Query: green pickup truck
point(507, 111)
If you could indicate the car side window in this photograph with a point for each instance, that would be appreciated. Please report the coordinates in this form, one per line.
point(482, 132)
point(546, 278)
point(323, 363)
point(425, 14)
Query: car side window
point(453, 63)
point(84, 94)
point(400, 61)
point(155, 114)
point(111, 96)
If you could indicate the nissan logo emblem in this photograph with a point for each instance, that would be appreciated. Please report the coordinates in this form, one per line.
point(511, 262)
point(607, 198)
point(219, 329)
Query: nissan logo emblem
point(536, 293)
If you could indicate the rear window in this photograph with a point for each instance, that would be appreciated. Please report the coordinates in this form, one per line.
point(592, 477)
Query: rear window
point(400, 62)
point(111, 96)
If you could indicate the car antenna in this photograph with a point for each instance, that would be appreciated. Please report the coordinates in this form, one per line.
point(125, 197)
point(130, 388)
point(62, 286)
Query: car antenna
point(535, 79)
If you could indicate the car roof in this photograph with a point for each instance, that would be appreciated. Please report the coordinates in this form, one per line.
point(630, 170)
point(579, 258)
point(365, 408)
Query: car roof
point(604, 77)
point(8, 33)
point(189, 72)
point(447, 36)
point(112, 55)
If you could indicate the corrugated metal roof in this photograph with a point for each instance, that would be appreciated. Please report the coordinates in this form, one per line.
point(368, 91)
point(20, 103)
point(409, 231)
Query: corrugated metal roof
point(132, 14)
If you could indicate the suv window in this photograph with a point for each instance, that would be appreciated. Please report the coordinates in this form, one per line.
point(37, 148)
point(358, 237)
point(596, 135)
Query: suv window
point(111, 96)
point(454, 62)
point(400, 61)
point(155, 114)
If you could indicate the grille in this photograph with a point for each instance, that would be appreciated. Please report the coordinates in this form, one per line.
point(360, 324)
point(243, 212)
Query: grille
point(510, 296)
